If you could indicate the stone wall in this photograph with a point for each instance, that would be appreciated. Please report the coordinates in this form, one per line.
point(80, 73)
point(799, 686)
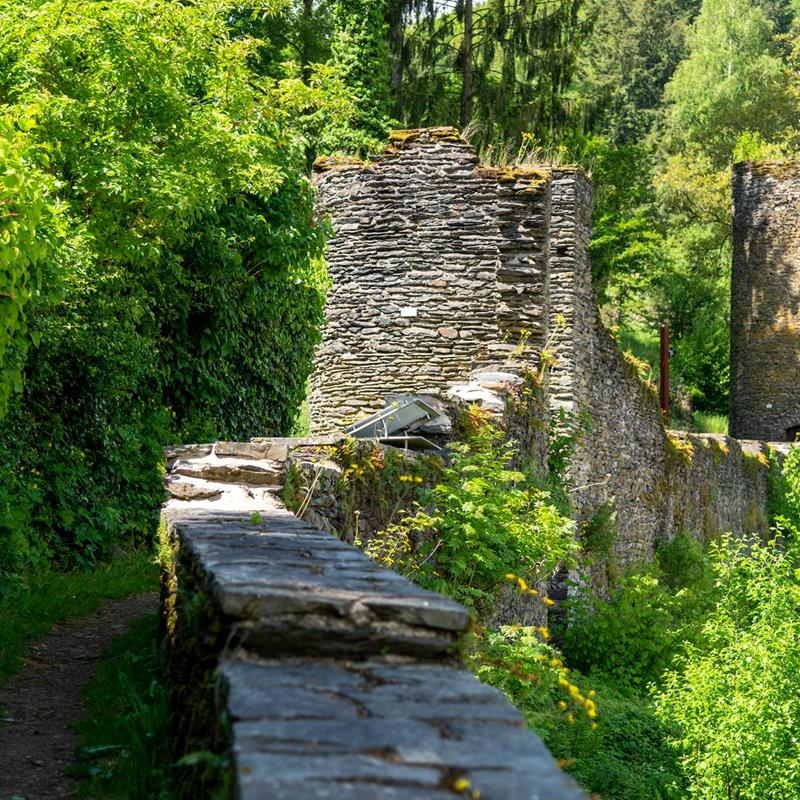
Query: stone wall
point(473, 248)
point(301, 669)
point(765, 301)
point(438, 266)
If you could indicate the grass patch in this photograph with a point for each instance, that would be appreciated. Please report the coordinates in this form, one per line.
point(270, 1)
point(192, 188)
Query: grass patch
point(710, 423)
point(122, 751)
point(645, 345)
point(30, 610)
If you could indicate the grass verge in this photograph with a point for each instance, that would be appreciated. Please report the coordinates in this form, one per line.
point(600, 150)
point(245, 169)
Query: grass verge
point(30, 610)
point(122, 751)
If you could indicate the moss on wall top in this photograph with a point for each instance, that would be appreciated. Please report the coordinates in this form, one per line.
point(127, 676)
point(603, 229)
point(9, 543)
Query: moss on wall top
point(776, 169)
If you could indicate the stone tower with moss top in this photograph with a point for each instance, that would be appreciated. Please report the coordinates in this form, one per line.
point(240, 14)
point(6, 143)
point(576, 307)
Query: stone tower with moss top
point(441, 265)
point(765, 302)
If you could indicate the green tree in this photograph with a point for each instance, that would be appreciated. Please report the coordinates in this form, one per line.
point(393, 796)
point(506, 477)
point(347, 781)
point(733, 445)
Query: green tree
point(733, 81)
point(182, 246)
point(360, 57)
point(504, 65)
point(627, 61)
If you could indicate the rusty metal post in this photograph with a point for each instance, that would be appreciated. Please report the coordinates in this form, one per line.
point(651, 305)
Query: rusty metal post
point(664, 383)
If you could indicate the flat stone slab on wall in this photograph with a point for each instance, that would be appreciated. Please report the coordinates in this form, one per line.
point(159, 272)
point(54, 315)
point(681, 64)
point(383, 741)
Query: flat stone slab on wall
point(340, 678)
point(286, 587)
point(370, 730)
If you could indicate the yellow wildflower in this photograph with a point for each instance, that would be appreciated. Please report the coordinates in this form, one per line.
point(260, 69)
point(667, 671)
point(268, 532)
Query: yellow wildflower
point(461, 785)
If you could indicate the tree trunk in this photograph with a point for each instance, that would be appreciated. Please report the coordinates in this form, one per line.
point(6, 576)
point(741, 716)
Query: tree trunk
point(307, 33)
point(466, 86)
point(396, 35)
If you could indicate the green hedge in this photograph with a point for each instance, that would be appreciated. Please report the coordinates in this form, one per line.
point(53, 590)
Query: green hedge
point(161, 265)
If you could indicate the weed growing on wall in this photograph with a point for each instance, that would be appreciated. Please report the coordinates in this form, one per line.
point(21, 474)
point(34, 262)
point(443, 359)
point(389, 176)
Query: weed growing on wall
point(479, 522)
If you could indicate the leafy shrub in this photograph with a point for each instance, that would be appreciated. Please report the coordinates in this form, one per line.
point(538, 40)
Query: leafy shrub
point(684, 564)
point(736, 699)
point(612, 742)
point(532, 673)
point(634, 635)
point(173, 287)
point(481, 521)
point(630, 637)
point(28, 232)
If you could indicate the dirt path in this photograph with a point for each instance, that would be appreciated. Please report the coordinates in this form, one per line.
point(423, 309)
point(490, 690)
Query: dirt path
point(36, 742)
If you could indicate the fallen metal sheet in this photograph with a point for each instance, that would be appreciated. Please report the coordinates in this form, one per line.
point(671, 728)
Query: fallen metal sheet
point(395, 417)
point(411, 443)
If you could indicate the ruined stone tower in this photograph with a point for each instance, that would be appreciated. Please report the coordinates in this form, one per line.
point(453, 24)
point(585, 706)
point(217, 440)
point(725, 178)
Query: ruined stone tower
point(765, 302)
point(441, 265)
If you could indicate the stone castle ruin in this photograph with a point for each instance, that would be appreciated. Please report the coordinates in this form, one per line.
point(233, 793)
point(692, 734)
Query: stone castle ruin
point(444, 269)
point(330, 670)
point(442, 266)
point(765, 302)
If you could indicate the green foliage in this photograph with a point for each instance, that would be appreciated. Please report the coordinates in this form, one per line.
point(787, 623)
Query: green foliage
point(736, 698)
point(28, 233)
point(627, 61)
point(517, 79)
point(479, 522)
point(183, 288)
point(627, 757)
point(626, 241)
point(600, 532)
point(377, 487)
point(566, 431)
point(359, 52)
point(732, 80)
point(29, 610)
point(610, 741)
point(634, 635)
point(532, 673)
point(684, 564)
point(123, 749)
point(783, 496)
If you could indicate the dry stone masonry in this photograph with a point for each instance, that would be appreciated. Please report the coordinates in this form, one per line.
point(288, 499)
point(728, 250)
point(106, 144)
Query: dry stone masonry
point(765, 301)
point(336, 678)
point(439, 267)
point(443, 267)
point(324, 675)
